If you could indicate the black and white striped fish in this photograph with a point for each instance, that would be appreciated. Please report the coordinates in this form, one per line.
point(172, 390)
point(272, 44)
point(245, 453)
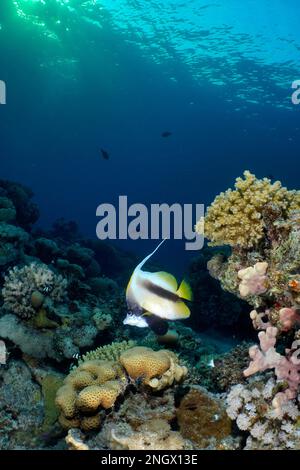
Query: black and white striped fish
point(155, 298)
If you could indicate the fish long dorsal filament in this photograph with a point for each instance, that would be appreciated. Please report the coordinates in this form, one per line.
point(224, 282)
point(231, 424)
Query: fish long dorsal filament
point(141, 264)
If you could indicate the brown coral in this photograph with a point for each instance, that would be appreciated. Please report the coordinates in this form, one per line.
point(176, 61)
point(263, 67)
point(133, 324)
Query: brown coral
point(202, 418)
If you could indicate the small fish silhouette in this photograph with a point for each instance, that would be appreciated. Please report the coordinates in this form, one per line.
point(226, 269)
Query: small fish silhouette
point(104, 154)
point(166, 134)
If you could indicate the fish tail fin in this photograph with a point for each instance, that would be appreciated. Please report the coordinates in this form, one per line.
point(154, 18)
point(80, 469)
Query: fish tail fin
point(141, 264)
point(184, 291)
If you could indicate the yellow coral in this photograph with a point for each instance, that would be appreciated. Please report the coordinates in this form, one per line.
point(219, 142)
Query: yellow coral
point(158, 369)
point(65, 400)
point(93, 385)
point(235, 217)
point(90, 423)
point(94, 396)
point(144, 362)
point(68, 423)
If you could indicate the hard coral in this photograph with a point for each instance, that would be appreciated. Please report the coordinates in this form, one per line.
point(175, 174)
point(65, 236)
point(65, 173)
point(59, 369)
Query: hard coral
point(202, 418)
point(286, 368)
point(93, 386)
point(108, 352)
point(253, 279)
point(251, 405)
point(156, 369)
point(235, 217)
point(23, 285)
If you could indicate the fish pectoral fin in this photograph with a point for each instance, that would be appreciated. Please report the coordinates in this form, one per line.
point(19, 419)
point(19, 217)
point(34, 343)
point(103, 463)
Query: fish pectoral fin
point(185, 291)
point(165, 280)
point(146, 314)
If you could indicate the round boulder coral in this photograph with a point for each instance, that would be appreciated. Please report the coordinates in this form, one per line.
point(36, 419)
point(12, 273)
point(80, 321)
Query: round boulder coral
point(92, 386)
point(157, 369)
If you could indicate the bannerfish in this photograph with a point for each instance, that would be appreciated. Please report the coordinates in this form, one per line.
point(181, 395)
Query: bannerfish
point(155, 298)
point(166, 134)
point(104, 154)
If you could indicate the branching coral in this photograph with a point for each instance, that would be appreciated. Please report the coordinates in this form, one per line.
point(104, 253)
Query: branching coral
point(286, 368)
point(23, 285)
point(261, 223)
point(235, 217)
point(109, 352)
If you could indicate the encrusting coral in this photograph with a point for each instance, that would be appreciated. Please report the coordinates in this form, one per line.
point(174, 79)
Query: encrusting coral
point(202, 418)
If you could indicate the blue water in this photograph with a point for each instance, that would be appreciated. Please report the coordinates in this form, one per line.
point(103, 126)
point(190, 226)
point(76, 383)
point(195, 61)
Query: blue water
point(85, 75)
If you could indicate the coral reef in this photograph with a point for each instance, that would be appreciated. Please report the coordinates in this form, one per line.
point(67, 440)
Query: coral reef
point(7, 210)
point(260, 221)
point(228, 368)
point(26, 211)
point(108, 386)
point(96, 384)
point(74, 440)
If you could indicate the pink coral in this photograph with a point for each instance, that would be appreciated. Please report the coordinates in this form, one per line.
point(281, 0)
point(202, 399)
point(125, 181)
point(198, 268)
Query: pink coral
point(258, 319)
point(287, 368)
point(288, 318)
point(266, 357)
point(254, 279)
